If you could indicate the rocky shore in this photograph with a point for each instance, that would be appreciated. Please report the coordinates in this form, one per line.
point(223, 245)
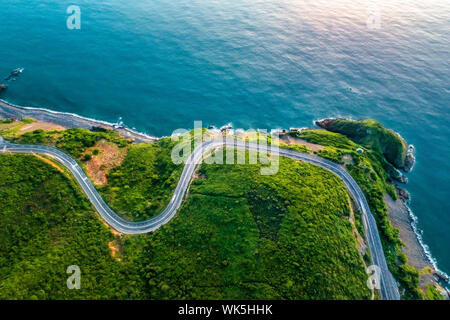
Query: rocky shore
point(68, 120)
point(410, 158)
point(401, 218)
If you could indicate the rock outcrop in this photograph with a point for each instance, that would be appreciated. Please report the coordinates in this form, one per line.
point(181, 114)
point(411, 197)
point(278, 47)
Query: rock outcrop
point(402, 193)
point(410, 159)
point(400, 178)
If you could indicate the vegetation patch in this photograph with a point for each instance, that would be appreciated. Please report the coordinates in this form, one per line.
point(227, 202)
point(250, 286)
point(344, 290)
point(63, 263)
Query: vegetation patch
point(373, 135)
point(72, 141)
point(374, 175)
point(46, 225)
point(142, 185)
point(432, 293)
point(239, 235)
point(221, 244)
point(296, 244)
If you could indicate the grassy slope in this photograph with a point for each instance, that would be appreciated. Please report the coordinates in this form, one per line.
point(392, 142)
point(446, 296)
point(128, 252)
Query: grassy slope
point(282, 236)
point(142, 185)
point(139, 188)
point(368, 169)
point(72, 141)
point(46, 225)
point(247, 238)
point(371, 172)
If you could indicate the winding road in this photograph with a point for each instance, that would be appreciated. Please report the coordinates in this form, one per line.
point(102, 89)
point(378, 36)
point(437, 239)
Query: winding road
point(388, 285)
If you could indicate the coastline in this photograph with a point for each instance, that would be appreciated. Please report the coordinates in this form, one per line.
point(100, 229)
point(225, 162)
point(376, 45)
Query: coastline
point(400, 214)
point(418, 253)
point(69, 120)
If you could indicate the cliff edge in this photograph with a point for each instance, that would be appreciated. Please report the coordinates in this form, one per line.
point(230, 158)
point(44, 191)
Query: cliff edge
point(374, 135)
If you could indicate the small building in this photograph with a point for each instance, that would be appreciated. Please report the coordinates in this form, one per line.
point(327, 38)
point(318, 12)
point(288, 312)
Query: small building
point(277, 131)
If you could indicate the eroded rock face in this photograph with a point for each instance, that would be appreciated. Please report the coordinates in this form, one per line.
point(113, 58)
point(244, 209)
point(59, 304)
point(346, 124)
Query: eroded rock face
point(401, 178)
point(325, 123)
point(402, 193)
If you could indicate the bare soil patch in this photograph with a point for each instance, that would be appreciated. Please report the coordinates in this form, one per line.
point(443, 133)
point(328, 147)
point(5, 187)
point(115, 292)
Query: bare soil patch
point(109, 156)
point(289, 140)
point(46, 126)
point(115, 248)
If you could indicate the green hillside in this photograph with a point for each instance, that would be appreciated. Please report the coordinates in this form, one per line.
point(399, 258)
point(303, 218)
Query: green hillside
point(239, 235)
point(373, 135)
point(282, 236)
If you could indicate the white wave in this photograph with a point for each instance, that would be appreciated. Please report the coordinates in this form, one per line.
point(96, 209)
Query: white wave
point(426, 249)
point(61, 113)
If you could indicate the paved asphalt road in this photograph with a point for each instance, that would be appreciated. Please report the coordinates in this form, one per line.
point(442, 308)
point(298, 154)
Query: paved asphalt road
point(389, 288)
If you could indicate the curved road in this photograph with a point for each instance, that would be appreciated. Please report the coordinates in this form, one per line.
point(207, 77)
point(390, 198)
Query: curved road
point(389, 288)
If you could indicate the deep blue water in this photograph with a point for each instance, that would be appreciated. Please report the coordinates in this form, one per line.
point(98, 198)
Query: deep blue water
point(160, 65)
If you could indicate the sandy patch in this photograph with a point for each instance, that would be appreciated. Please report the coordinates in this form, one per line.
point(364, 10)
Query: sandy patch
point(289, 140)
point(115, 248)
point(109, 157)
point(10, 129)
point(8, 125)
point(46, 126)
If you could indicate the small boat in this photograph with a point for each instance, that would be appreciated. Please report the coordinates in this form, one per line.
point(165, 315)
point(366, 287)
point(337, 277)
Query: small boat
point(3, 87)
point(15, 73)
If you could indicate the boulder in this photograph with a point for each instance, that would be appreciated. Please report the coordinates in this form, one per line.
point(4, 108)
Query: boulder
point(401, 178)
point(410, 159)
point(402, 193)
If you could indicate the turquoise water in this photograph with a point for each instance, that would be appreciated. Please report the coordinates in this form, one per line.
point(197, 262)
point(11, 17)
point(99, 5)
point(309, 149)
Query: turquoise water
point(160, 65)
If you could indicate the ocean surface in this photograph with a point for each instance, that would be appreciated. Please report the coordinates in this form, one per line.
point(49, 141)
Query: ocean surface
point(160, 65)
